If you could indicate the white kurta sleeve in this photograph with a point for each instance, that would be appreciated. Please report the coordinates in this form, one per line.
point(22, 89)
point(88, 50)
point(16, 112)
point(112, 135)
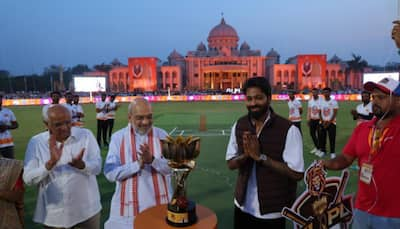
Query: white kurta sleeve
point(34, 169)
point(161, 165)
point(113, 169)
point(232, 147)
point(91, 156)
point(293, 152)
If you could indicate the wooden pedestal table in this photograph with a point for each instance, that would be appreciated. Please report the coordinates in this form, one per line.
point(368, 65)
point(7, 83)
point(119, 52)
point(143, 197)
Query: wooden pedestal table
point(155, 218)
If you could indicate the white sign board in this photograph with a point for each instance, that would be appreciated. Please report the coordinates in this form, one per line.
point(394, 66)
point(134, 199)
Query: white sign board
point(89, 83)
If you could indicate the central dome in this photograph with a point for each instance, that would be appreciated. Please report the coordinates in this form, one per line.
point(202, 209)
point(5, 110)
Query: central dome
point(223, 30)
point(222, 35)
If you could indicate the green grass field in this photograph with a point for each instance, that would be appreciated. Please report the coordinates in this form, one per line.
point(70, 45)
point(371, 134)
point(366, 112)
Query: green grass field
point(211, 183)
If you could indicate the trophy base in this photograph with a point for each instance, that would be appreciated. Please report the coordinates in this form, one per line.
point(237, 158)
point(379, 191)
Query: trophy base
point(182, 218)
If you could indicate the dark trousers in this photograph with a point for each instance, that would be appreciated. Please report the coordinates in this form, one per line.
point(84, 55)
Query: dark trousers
point(7, 152)
point(110, 126)
point(331, 130)
point(102, 131)
point(314, 129)
point(298, 124)
point(243, 220)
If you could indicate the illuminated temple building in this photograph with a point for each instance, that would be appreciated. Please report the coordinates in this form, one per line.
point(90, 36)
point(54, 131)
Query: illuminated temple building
point(223, 64)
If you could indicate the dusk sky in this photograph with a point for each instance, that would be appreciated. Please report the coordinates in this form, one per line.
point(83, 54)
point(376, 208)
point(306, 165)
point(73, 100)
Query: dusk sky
point(37, 34)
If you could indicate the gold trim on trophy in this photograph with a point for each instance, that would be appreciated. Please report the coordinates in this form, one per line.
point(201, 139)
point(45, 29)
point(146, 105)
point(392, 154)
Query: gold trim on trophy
point(180, 153)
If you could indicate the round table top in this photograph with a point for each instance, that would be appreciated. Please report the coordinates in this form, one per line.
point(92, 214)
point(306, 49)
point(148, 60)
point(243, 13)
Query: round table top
point(154, 217)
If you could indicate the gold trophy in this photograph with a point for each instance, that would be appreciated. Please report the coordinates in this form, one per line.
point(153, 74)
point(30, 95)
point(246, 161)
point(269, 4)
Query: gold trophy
point(180, 153)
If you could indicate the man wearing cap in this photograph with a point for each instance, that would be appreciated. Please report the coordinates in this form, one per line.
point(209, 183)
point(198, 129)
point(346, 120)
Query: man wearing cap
point(375, 144)
point(363, 111)
point(7, 122)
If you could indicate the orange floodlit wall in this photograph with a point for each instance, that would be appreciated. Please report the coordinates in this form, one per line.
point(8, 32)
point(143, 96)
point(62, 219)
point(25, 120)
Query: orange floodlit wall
point(143, 73)
point(311, 71)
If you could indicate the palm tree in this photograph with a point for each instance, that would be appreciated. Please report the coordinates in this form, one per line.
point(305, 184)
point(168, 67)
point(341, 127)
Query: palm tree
point(356, 68)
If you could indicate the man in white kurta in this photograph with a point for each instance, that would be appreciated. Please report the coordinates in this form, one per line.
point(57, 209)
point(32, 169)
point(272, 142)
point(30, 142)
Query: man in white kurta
point(134, 161)
point(63, 163)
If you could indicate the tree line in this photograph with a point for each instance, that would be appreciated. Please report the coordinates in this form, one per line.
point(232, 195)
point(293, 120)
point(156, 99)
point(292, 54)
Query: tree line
point(47, 81)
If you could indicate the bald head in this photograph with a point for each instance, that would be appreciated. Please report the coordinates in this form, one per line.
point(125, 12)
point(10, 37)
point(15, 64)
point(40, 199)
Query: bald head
point(57, 110)
point(139, 104)
point(59, 122)
point(140, 115)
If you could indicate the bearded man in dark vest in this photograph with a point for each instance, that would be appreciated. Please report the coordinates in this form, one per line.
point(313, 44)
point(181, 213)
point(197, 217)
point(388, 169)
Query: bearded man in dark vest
point(267, 151)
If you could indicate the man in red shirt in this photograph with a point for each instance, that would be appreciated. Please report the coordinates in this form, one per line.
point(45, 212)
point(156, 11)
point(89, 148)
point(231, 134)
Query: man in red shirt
point(375, 144)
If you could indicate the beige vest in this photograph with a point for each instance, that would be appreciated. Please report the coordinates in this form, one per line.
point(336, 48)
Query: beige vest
point(10, 172)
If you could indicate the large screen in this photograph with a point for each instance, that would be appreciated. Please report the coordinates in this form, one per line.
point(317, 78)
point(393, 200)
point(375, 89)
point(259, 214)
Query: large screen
point(90, 83)
point(376, 77)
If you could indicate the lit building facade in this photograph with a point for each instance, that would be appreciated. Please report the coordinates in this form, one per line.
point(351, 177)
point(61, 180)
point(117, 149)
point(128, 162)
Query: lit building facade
point(223, 64)
point(139, 76)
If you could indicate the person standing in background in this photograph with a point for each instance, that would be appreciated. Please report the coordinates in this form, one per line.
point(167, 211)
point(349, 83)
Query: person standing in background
point(363, 111)
point(101, 110)
point(112, 108)
point(77, 119)
point(69, 97)
point(313, 119)
point(329, 108)
point(55, 99)
point(8, 122)
point(295, 110)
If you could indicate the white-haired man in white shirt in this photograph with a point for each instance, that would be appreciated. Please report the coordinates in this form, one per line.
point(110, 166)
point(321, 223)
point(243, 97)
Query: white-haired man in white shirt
point(63, 162)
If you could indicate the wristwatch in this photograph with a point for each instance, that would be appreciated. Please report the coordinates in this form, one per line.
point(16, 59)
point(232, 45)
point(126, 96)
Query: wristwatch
point(262, 157)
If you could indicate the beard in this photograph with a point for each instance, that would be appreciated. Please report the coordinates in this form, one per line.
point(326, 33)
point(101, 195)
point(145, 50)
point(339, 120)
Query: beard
point(257, 114)
point(379, 113)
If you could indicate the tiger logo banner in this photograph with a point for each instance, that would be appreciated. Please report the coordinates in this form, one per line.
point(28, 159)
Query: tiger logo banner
point(323, 204)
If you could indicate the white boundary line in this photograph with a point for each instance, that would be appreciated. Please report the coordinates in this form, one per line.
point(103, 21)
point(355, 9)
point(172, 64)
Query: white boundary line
point(172, 131)
point(213, 132)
